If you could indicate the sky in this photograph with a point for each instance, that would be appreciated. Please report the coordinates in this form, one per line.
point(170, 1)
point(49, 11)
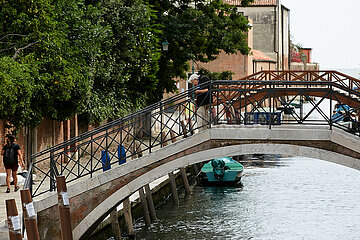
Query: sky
point(330, 27)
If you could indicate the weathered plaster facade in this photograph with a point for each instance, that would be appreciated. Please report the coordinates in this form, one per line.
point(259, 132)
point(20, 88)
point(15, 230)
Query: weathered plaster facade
point(271, 26)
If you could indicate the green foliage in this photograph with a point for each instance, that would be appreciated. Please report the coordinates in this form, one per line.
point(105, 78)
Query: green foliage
point(93, 58)
point(196, 32)
point(225, 75)
point(102, 59)
point(17, 83)
point(126, 71)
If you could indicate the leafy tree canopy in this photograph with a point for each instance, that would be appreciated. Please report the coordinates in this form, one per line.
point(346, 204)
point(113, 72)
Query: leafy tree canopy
point(82, 57)
point(102, 58)
point(196, 31)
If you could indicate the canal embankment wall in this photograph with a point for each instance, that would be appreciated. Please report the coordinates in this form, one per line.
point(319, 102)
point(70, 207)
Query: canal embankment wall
point(161, 193)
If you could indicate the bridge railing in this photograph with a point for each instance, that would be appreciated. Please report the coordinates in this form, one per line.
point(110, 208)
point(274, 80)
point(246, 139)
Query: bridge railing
point(243, 102)
point(311, 76)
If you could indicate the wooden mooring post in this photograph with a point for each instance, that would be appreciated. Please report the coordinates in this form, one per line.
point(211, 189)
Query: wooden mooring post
point(150, 202)
point(115, 224)
point(173, 188)
point(196, 169)
point(128, 217)
point(13, 220)
point(145, 207)
point(64, 209)
point(32, 231)
point(185, 181)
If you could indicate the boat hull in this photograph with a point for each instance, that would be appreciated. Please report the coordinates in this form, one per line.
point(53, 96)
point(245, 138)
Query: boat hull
point(232, 175)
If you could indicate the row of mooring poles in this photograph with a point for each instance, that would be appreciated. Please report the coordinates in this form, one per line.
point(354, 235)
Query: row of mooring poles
point(145, 193)
point(29, 213)
point(146, 197)
point(14, 223)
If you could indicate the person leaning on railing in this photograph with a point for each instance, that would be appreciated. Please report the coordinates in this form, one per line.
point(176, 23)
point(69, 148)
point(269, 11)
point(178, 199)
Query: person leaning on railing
point(202, 99)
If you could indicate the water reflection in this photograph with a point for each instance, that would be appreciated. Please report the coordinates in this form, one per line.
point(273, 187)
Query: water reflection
point(296, 198)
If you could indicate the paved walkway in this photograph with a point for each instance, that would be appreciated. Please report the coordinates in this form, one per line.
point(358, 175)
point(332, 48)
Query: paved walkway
point(4, 196)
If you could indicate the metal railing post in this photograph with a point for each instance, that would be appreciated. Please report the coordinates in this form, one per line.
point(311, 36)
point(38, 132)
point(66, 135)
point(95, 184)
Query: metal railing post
point(217, 105)
point(52, 173)
point(161, 124)
point(150, 132)
point(210, 102)
point(91, 156)
point(331, 99)
point(271, 104)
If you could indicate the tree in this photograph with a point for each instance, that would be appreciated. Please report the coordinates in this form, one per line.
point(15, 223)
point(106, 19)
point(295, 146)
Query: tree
point(196, 31)
point(93, 58)
point(48, 36)
point(17, 83)
point(101, 58)
point(126, 74)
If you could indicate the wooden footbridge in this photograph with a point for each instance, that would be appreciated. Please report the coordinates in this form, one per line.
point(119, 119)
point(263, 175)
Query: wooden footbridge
point(267, 112)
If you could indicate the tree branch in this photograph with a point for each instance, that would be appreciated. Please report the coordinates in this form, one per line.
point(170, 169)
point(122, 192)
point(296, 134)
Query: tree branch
point(13, 35)
point(6, 49)
point(17, 52)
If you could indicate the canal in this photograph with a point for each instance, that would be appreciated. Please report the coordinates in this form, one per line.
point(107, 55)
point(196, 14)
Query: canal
point(289, 198)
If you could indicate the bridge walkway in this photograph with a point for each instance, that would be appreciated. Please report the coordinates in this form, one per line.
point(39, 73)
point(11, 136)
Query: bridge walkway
point(267, 94)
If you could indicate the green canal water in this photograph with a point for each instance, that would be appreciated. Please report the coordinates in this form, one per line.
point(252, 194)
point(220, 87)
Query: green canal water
point(293, 198)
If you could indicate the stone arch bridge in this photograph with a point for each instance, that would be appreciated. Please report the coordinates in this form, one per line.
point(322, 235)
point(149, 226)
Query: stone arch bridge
point(274, 113)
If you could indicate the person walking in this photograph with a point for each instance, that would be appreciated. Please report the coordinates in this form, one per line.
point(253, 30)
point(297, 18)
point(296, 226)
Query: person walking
point(203, 99)
point(12, 155)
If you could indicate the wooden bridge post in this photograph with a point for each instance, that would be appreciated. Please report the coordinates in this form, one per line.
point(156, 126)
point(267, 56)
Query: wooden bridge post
point(115, 224)
point(145, 207)
point(173, 188)
point(150, 202)
point(29, 214)
point(13, 220)
point(128, 217)
point(196, 169)
point(185, 180)
point(64, 209)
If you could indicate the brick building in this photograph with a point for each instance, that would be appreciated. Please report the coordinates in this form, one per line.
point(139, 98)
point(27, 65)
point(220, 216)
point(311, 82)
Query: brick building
point(269, 39)
point(47, 134)
point(301, 60)
point(271, 27)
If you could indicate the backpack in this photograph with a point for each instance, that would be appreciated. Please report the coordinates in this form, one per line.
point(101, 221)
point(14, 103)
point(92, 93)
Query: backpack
point(9, 155)
point(204, 98)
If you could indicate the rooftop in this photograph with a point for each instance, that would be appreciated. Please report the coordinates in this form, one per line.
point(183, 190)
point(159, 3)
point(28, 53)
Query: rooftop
point(255, 3)
point(260, 56)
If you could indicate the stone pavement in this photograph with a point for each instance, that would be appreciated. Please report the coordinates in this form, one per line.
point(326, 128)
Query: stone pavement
point(4, 196)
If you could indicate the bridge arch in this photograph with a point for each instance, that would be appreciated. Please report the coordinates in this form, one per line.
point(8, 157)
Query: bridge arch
point(258, 148)
point(93, 199)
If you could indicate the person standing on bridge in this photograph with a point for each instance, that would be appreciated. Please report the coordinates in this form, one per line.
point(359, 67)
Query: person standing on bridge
point(203, 99)
point(11, 155)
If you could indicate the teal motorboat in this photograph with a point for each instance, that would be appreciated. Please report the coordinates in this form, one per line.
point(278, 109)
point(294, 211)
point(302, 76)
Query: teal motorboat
point(224, 170)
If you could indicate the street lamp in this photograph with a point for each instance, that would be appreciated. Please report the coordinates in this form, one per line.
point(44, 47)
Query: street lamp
point(165, 45)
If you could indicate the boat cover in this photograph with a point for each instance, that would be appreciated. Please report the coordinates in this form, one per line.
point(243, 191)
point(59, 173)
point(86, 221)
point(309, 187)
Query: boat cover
point(219, 168)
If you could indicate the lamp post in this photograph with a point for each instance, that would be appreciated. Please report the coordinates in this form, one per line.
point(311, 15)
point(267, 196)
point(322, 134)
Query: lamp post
point(165, 45)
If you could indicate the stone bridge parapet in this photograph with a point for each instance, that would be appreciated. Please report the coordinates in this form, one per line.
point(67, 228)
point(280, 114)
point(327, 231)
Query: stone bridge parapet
point(93, 199)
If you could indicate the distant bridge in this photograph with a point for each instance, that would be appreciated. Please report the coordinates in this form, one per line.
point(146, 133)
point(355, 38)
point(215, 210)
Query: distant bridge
point(268, 112)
